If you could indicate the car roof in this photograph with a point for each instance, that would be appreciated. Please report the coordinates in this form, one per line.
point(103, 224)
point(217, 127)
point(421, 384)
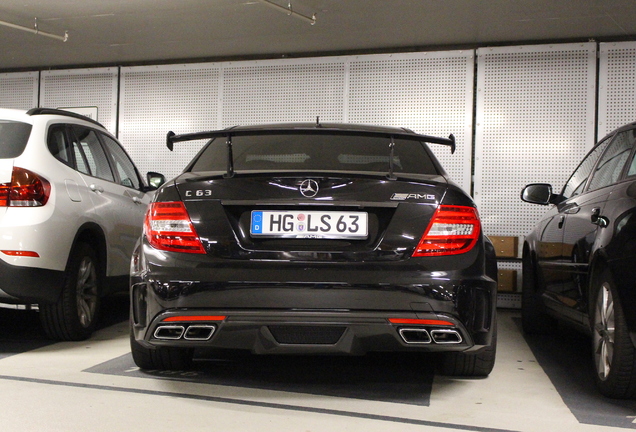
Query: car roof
point(27, 116)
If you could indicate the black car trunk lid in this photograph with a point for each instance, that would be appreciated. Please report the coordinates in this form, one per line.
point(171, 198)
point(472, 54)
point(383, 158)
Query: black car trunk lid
point(310, 214)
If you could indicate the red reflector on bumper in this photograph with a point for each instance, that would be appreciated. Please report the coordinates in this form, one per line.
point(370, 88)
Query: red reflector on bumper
point(187, 318)
point(21, 253)
point(420, 322)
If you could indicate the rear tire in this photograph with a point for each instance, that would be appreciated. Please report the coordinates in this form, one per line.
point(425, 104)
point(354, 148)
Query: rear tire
point(160, 358)
point(75, 314)
point(534, 320)
point(472, 364)
point(613, 350)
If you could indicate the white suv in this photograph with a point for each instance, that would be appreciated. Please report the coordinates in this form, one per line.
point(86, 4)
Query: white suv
point(71, 209)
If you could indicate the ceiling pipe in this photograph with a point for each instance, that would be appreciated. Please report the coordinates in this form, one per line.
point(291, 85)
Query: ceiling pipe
point(35, 30)
point(289, 11)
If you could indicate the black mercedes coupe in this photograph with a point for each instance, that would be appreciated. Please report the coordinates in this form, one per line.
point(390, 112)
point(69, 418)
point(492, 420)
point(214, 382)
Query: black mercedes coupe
point(314, 238)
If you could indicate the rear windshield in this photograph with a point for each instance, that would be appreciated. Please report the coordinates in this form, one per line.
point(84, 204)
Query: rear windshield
point(316, 152)
point(13, 138)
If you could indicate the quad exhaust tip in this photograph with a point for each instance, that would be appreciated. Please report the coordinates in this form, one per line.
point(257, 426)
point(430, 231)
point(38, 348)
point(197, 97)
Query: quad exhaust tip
point(199, 332)
point(169, 332)
point(415, 335)
point(423, 336)
point(446, 336)
point(190, 333)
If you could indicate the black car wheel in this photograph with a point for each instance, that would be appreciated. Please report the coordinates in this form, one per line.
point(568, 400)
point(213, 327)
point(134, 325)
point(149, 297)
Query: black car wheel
point(162, 358)
point(75, 314)
point(614, 352)
point(473, 364)
point(534, 320)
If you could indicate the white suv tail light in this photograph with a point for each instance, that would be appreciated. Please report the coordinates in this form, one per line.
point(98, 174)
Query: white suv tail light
point(26, 189)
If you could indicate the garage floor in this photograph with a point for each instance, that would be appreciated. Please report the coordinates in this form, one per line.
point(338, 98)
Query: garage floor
point(538, 384)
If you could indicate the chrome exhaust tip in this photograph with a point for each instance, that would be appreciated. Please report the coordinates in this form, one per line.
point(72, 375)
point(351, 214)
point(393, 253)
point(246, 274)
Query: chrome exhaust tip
point(199, 332)
point(446, 336)
point(169, 332)
point(415, 335)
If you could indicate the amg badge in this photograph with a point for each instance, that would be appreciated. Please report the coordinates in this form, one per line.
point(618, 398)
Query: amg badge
point(406, 196)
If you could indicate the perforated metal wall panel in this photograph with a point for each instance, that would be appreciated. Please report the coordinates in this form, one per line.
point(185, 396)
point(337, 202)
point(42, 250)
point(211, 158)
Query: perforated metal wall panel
point(79, 88)
point(416, 91)
point(430, 93)
point(158, 99)
point(19, 90)
point(617, 86)
point(535, 122)
point(283, 91)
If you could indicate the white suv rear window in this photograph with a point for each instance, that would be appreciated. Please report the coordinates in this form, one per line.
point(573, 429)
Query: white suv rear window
point(13, 138)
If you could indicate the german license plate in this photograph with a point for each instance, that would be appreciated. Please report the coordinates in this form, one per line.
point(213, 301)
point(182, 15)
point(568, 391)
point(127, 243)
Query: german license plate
point(310, 224)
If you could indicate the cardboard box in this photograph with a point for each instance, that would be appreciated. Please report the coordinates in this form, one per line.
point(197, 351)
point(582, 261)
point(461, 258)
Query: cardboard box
point(505, 247)
point(507, 281)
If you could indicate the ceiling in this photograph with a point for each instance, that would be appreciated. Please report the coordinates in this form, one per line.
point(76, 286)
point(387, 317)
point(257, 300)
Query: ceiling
point(129, 32)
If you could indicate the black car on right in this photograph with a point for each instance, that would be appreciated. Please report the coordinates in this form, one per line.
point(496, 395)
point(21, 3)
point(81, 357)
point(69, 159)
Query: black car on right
point(579, 261)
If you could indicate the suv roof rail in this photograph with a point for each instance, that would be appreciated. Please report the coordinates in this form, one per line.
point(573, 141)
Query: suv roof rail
point(40, 111)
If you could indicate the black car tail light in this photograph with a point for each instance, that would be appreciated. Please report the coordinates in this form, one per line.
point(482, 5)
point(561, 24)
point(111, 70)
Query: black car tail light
point(452, 230)
point(26, 189)
point(168, 227)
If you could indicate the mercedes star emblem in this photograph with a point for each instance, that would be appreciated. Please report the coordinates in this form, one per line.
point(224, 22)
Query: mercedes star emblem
point(309, 188)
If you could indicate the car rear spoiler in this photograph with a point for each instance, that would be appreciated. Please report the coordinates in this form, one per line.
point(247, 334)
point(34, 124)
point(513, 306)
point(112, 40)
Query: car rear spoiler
point(403, 134)
point(172, 138)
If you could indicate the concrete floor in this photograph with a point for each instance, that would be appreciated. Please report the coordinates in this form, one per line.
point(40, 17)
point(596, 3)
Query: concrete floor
point(538, 384)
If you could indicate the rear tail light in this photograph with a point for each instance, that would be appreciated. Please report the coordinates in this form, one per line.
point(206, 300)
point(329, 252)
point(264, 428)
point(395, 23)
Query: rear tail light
point(26, 189)
point(168, 227)
point(452, 230)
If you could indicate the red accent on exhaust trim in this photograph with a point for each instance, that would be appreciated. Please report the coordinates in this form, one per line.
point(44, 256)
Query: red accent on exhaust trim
point(187, 318)
point(21, 253)
point(420, 322)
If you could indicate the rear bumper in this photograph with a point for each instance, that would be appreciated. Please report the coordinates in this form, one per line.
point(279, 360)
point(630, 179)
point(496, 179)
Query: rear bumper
point(340, 308)
point(292, 332)
point(29, 285)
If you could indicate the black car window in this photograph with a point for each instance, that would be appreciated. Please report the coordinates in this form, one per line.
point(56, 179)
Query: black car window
point(58, 144)
point(577, 181)
point(632, 165)
point(87, 143)
point(123, 165)
point(611, 164)
point(81, 164)
point(316, 152)
point(13, 138)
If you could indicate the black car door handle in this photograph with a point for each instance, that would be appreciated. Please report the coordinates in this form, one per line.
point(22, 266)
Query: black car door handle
point(561, 220)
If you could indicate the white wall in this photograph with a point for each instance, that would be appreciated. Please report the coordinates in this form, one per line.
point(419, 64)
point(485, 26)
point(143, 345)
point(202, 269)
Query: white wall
point(535, 122)
point(393, 90)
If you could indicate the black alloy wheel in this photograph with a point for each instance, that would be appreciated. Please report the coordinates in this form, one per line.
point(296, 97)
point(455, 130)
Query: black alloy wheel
point(613, 350)
point(75, 314)
point(160, 358)
point(472, 364)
